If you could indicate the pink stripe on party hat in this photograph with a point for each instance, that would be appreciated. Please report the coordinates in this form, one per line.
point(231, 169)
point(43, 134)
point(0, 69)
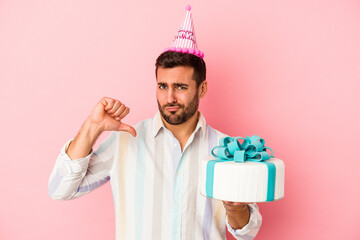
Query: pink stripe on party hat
point(185, 40)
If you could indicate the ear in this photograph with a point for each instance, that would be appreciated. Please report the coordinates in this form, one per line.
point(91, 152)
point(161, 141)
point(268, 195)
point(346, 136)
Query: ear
point(203, 89)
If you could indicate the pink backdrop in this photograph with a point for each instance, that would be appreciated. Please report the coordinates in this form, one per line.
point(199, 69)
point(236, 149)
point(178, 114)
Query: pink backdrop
point(285, 70)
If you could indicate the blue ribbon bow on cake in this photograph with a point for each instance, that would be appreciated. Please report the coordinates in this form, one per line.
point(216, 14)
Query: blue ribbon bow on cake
point(252, 149)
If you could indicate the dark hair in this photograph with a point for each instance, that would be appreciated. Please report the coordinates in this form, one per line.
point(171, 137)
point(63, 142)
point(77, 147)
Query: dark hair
point(172, 59)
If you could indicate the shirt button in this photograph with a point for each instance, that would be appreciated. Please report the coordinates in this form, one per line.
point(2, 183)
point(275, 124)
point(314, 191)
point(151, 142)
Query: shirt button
point(177, 173)
point(177, 202)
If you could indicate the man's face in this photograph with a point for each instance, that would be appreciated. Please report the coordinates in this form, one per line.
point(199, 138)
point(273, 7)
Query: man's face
point(177, 94)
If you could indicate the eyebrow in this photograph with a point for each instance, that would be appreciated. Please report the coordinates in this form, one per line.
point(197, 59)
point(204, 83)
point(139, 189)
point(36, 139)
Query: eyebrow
point(180, 85)
point(175, 84)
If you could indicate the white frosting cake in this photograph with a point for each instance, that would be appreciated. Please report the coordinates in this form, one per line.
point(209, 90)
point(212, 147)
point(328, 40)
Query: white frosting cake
point(243, 182)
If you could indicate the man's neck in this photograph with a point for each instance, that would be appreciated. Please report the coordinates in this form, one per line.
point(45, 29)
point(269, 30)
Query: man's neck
point(183, 131)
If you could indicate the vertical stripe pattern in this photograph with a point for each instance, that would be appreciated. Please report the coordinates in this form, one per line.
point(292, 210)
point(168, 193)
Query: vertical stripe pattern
point(155, 183)
point(158, 188)
point(192, 169)
point(212, 140)
point(139, 181)
point(121, 173)
point(185, 37)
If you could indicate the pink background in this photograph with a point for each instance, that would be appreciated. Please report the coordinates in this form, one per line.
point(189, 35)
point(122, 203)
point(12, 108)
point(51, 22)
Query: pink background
point(288, 71)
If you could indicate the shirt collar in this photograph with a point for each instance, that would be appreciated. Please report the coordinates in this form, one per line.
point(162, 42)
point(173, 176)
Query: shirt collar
point(158, 124)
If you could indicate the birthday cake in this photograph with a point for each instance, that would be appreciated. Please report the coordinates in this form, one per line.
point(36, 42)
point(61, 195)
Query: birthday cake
point(245, 173)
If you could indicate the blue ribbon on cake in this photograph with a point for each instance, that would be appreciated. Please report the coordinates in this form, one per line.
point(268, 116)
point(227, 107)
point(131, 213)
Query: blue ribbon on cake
point(252, 149)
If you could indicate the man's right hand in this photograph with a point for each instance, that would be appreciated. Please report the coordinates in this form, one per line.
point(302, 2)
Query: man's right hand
point(107, 115)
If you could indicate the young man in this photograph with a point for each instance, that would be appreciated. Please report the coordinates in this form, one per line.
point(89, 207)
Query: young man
point(154, 173)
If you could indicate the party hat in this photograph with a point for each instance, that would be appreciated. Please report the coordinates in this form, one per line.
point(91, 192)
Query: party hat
point(185, 40)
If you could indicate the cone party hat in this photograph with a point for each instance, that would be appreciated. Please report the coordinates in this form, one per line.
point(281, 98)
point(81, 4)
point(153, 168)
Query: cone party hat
point(185, 40)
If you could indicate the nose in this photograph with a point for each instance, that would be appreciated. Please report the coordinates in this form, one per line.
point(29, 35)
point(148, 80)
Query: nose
point(171, 97)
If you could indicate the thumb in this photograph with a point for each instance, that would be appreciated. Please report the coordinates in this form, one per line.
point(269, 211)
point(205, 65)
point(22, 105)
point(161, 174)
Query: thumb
point(127, 128)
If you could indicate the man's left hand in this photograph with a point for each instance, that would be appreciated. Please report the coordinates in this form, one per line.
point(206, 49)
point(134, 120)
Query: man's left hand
point(238, 214)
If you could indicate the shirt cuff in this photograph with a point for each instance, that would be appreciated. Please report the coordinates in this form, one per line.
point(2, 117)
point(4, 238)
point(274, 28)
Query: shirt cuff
point(74, 165)
point(247, 228)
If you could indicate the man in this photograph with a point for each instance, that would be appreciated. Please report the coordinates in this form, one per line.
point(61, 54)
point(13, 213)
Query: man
point(154, 173)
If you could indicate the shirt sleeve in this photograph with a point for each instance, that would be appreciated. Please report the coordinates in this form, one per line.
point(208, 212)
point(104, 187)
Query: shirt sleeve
point(250, 230)
point(73, 178)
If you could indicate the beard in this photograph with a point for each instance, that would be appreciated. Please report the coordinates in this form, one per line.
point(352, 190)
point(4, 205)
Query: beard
point(187, 112)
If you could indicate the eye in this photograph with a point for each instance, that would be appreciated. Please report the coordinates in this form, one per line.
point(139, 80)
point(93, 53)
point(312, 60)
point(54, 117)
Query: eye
point(162, 86)
point(181, 87)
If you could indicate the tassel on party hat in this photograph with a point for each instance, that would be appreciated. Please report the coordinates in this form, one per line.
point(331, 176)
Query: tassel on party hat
point(185, 40)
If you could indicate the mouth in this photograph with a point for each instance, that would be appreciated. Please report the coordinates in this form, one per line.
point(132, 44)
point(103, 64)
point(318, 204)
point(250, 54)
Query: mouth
point(172, 109)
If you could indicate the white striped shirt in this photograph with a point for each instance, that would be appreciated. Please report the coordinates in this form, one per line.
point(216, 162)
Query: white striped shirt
point(155, 186)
